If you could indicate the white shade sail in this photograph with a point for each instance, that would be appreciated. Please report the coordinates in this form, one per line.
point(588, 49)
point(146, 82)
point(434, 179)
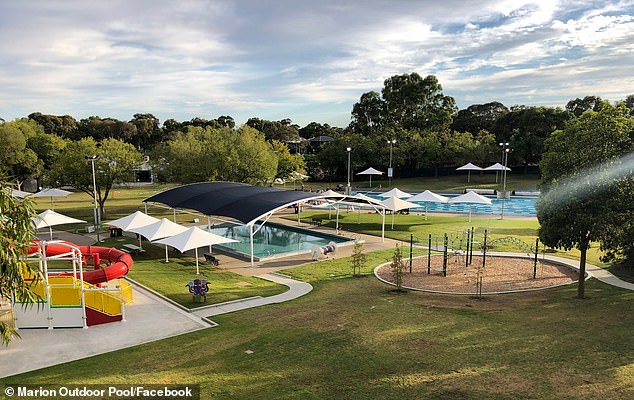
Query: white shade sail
point(395, 204)
point(19, 193)
point(471, 197)
point(331, 193)
point(158, 230)
point(429, 197)
point(396, 192)
point(132, 221)
point(52, 192)
point(193, 238)
point(49, 218)
point(469, 167)
point(497, 167)
point(370, 171)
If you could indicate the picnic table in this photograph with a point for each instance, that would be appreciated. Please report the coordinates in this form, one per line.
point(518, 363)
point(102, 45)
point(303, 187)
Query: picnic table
point(132, 248)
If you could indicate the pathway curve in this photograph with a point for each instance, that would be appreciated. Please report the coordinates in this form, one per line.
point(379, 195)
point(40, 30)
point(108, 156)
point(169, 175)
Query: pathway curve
point(295, 289)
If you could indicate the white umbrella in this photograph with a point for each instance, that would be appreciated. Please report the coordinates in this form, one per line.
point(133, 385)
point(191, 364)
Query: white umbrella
point(428, 197)
point(370, 171)
point(132, 221)
point(52, 192)
point(158, 230)
point(469, 167)
point(193, 238)
point(395, 204)
point(49, 218)
point(471, 198)
point(396, 192)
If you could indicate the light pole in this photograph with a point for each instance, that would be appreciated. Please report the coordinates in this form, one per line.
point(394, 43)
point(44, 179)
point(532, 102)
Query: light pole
point(505, 159)
point(390, 171)
point(503, 145)
point(94, 188)
point(349, 150)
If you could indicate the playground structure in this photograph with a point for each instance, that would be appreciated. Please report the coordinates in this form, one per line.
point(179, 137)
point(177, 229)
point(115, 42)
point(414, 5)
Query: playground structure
point(198, 288)
point(456, 269)
point(319, 252)
point(75, 298)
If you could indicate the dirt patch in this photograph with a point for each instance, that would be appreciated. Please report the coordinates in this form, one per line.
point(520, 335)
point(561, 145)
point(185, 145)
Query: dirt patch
point(500, 274)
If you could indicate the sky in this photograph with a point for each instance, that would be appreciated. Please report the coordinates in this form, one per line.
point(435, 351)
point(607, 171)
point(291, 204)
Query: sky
point(303, 60)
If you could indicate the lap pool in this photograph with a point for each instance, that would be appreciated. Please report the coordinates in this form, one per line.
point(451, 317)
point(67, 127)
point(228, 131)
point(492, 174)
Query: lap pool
point(272, 241)
point(516, 205)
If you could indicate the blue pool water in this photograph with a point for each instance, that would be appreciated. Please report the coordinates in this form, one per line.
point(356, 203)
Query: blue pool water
point(516, 205)
point(272, 241)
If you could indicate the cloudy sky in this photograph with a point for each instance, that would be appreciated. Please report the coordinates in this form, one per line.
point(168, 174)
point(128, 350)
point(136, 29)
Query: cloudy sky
point(303, 60)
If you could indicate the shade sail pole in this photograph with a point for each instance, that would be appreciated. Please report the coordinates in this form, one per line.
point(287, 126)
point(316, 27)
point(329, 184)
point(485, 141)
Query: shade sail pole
point(251, 239)
point(383, 226)
point(166, 256)
point(197, 270)
point(145, 207)
point(337, 224)
point(174, 214)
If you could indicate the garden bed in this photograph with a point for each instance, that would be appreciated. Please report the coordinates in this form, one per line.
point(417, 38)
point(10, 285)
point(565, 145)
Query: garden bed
point(500, 274)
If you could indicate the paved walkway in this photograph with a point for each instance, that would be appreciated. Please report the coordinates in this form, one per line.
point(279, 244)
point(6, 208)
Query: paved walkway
point(296, 289)
point(148, 318)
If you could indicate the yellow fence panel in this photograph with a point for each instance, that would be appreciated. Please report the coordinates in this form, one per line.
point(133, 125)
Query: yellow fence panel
point(125, 291)
point(103, 302)
point(65, 296)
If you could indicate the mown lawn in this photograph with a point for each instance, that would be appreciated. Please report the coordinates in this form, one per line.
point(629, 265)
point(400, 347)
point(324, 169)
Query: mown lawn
point(353, 338)
point(524, 229)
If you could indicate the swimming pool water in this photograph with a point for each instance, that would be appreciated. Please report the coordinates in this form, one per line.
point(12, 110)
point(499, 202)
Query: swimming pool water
point(516, 205)
point(273, 240)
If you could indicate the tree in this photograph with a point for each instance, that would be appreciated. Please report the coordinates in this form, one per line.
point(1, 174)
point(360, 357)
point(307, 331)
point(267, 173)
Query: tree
point(415, 102)
point(116, 163)
point(63, 126)
point(207, 154)
point(578, 106)
point(368, 114)
point(358, 258)
point(578, 171)
point(398, 268)
point(478, 117)
point(15, 238)
point(287, 163)
point(148, 132)
point(17, 160)
point(526, 128)
point(282, 130)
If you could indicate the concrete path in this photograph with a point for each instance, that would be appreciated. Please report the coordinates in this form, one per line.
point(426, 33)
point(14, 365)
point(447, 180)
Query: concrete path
point(148, 318)
point(296, 289)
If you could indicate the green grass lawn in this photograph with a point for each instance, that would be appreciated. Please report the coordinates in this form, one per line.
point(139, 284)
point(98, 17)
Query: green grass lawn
point(353, 338)
point(524, 229)
point(169, 279)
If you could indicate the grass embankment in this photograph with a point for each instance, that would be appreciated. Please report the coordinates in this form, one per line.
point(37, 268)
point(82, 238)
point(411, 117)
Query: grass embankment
point(353, 338)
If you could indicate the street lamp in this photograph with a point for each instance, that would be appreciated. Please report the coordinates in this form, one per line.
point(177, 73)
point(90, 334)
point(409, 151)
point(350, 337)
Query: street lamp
point(94, 188)
point(349, 150)
point(390, 170)
point(504, 145)
point(505, 159)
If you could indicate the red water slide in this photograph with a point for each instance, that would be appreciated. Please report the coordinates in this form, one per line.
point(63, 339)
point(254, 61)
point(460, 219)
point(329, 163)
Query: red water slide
point(120, 262)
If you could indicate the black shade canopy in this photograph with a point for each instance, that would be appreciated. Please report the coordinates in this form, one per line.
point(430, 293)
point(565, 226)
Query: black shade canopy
point(240, 201)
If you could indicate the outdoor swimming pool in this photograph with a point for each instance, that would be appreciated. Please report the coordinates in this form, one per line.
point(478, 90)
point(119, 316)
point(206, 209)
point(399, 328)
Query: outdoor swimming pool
point(272, 241)
point(516, 205)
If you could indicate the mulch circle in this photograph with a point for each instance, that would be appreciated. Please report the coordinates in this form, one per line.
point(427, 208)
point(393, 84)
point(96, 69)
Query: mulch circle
point(500, 274)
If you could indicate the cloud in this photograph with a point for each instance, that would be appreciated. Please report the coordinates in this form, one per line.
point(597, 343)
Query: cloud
point(252, 58)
